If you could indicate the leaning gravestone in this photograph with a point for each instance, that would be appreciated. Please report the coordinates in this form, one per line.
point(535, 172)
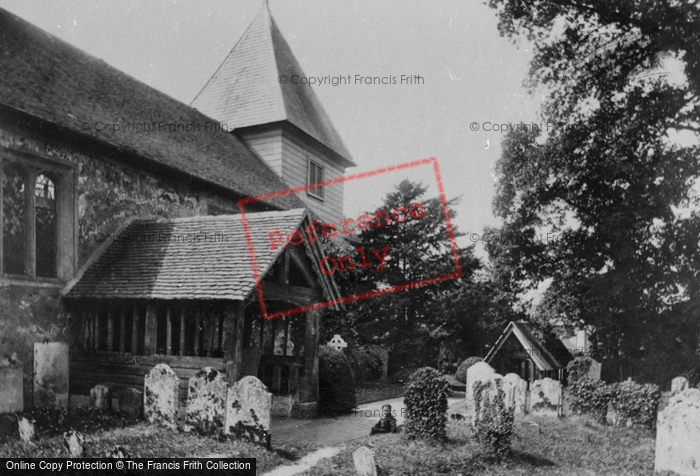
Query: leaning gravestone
point(51, 374)
point(248, 410)
point(477, 373)
point(678, 435)
point(11, 389)
point(678, 384)
point(206, 398)
point(546, 397)
point(101, 397)
point(161, 395)
point(516, 393)
point(365, 465)
point(131, 403)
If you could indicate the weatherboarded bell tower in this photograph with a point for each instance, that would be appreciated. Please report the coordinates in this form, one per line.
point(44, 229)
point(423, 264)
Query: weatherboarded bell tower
point(256, 93)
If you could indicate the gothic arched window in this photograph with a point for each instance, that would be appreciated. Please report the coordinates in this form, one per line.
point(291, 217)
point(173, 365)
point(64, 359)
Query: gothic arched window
point(45, 213)
point(14, 223)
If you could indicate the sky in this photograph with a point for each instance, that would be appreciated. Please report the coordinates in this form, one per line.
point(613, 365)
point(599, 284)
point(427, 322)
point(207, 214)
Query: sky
point(471, 76)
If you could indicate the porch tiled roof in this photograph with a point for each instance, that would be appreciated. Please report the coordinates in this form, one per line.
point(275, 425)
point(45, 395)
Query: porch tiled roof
point(204, 257)
point(554, 355)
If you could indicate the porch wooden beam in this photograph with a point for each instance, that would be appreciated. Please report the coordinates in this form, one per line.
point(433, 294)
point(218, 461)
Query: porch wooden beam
point(291, 294)
point(197, 315)
point(151, 334)
point(308, 388)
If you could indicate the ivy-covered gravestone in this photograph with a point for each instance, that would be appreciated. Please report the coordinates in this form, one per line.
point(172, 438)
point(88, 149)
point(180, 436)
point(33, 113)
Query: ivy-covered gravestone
point(492, 423)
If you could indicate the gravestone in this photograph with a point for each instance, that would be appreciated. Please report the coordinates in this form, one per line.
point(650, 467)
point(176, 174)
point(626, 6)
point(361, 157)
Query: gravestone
point(131, 403)
point(248, 410)
point(337, 342)
point(101, 397)
point(161, 395)
point(365, 465)
point(594, 371)
point(678, 435)
point(74, 444)
point(546, 397)
point(476, 373)
point(516, 393)
point(206, 398)
point(678, 384)
point(11, 389)
point(26, 429)
point(51, 374)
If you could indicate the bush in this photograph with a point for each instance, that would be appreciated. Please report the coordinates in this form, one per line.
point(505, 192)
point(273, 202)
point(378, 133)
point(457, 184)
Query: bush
point(336, 382)
point(635, 403)
point(426, 405)
point(578, 369)
point(461, 374)
point(591, 397)
point(366, 363)
point(493, 420)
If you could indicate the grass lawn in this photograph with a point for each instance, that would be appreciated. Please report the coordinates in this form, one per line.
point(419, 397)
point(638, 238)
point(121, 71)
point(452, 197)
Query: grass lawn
point(374, 391)
point(103, 431)
point(549, 447)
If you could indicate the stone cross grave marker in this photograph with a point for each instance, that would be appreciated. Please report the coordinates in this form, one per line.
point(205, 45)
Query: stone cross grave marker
point(365, 465)
point(337, 342)
point(161, 395)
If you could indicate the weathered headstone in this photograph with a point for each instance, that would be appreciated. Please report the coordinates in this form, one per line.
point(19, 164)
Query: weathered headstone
point(51, 374)
point(74, 444)
point(26, 429)
point(365, 465)
point(595, 370)
point(161, 395)
point(678, 435)
point(337, 342)
point(101, 397)
point(206, 398)
point(546, 397)
point(248, 410)
point(678, 384)
point(131, 403)
point(11, 389)
point(476, 373)
point(516, 393)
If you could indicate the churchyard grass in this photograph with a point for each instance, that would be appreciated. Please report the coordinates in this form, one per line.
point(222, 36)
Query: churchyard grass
point(369, 392)
point(571, 446)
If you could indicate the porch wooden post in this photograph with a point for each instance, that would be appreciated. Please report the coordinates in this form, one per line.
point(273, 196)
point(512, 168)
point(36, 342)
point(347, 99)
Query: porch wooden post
point(233, 329)
point(169, 330)
point(110, 330)
point(122, 330)
point(135, 330)
point(182, 329)
point(308, 387)
point(151, 335)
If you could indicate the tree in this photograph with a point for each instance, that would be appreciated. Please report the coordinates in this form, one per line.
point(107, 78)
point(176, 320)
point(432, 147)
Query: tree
point(599, 201)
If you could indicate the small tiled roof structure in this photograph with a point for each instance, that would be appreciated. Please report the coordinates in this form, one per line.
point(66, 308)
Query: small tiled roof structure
point(203, 257)
point(552, 356)
point(55, 82)
point(245, 91)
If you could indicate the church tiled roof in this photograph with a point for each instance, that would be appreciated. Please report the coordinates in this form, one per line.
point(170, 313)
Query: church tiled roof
point(51, 80)
point(204, 257)
point(246, 90)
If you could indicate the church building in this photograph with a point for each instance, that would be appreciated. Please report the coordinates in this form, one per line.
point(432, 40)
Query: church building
point(130, 246)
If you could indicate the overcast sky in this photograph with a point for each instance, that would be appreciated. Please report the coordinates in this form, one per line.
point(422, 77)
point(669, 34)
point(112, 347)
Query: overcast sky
point(470, 74)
